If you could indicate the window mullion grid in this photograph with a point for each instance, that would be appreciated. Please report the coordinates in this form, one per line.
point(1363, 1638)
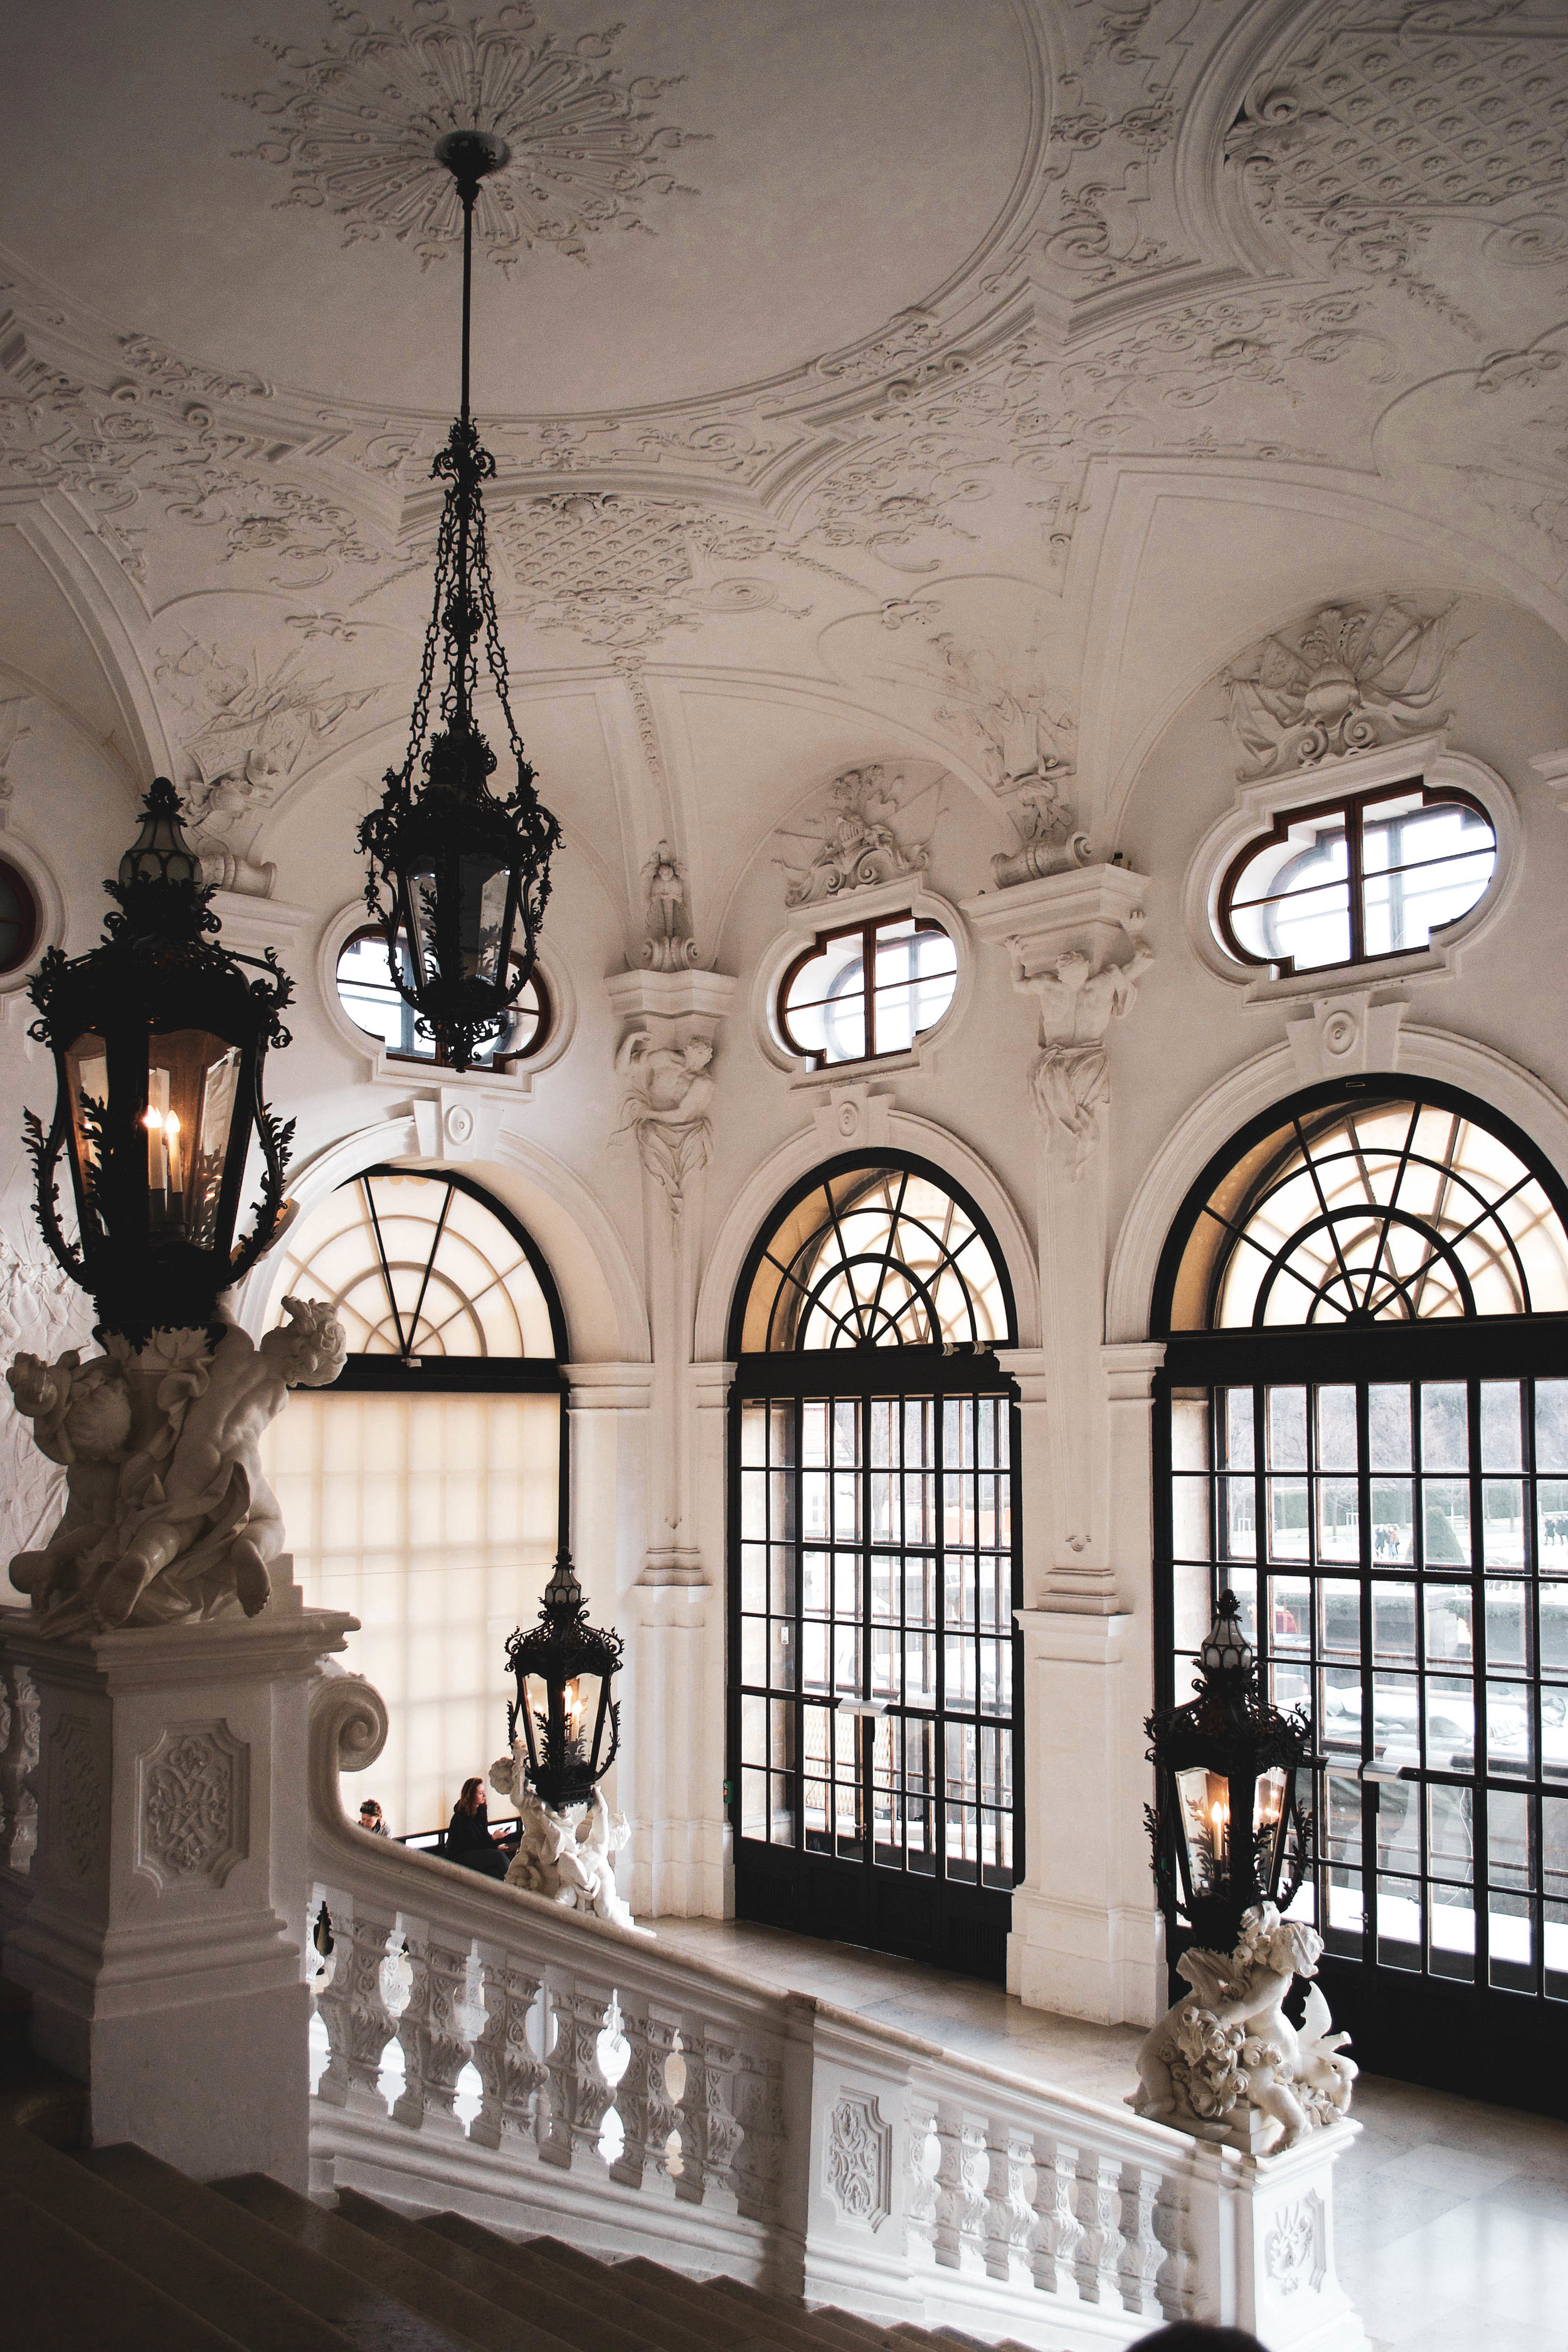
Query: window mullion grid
point(1364, 1508)
point(1371, 1791)
point(1480, 1833)
point(869, 984)
point(1355, 876)
point(1534, 1687)
point(939, 1737)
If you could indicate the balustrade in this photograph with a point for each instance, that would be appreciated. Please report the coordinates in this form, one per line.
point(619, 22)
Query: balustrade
point(650, 2103)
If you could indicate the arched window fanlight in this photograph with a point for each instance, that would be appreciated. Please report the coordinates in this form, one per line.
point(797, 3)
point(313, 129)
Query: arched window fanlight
point(421, 1268)
point(1380, 1208)
point(876, 1256)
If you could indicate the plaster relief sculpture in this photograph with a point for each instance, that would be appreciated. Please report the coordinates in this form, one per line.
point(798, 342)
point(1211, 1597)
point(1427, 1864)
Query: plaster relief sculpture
point(668, 945)
point(1070, 1082)
point(1354, 677)
point(1050, 842)
point(1025, 736)
point(1228, 2063)
point(168, 1512)
point(246, 730)
point(354, 126)
point(19, 1725)
point(860, 844)
point(12, 731)
point(568, 1857)
point(667, 1107)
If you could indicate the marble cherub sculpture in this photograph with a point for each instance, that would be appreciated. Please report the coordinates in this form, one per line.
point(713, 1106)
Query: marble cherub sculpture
point(567, 1857)
point(168, 1512)
point(1214, 2060)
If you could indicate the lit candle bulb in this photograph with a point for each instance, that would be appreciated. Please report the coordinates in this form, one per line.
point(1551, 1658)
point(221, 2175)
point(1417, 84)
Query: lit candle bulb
point(157, 1173)
point(171, 1138)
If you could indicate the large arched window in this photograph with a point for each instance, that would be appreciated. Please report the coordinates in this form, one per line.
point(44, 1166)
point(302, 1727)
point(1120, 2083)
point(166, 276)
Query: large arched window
point(425, 1492)
point(1364, 1432)
point(874, 1570)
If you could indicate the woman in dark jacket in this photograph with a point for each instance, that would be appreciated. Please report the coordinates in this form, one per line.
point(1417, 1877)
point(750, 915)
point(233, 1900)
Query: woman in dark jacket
point(468, 1839)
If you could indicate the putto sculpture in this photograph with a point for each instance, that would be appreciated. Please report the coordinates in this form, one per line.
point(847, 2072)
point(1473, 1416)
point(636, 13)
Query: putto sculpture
point(1228, 2063)
point(168, 1512)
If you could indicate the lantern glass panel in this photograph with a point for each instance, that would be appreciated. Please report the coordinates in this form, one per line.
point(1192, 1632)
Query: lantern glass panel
point(420, 932)
point(192, 1095)
point(1271, 1820)
point(485, 893)
point(87, 1080)
point(1205, 1798)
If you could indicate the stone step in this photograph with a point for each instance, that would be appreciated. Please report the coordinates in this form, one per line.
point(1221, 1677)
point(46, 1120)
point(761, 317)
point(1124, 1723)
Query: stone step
point(667, 2292)
point(397, 2274)
point(791, 2325)
point(667, 2321)
point(571, 2316)
point(366, 2314)
point(164, 2255)
point(62, 2295)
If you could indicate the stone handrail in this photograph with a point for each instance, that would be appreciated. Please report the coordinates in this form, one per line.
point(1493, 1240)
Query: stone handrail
point(639, 2100)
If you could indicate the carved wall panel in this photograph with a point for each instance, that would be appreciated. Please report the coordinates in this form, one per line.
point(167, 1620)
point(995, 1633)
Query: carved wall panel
point(193, 1809)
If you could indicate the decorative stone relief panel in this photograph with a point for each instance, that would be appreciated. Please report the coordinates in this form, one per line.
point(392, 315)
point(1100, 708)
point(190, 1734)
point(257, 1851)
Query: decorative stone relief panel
point(856, 843)
point(78, 1796)
point(1294, 2253)
point(1350, 677)
point(354, 124)
point(860, 2159)
point(193, 1808)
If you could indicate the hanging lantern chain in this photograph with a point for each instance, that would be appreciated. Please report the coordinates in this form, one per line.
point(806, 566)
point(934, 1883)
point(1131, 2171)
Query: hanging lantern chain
point(460, 876)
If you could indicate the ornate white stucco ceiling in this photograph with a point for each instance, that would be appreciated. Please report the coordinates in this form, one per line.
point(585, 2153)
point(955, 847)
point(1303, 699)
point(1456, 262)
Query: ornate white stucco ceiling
point(912, 364)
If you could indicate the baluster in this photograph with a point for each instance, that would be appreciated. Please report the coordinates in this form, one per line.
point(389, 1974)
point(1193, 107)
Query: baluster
point(1141, 2253)
point(758, 2103)
point(578, 2093)
point(640, 2099)
point(1100, 2210)
point(1057, 2234)
point(1174, 2281)
point(1009, 2217)
point(509, 2073)
point(950, 2190)
point(358, 2024)
point(433, 2045)
point(710, 2135)
point(920, 2180)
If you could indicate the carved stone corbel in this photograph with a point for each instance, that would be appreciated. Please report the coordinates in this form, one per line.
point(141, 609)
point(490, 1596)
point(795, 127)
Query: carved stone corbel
point(1075, 942)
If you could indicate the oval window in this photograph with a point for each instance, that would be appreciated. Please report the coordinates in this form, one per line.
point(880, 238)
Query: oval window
point(866, 989)
point(18, 918)
point(367, 995)
point(1350, 880)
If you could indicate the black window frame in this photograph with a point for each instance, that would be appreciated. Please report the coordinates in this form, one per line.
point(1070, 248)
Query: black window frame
point(1415, 2022)
point(955, 1923)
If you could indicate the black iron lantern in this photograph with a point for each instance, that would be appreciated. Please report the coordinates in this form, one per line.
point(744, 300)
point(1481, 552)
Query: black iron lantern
point(461, 875)
point(1230, 1824)
point(159, 1037)
point(563, 1667)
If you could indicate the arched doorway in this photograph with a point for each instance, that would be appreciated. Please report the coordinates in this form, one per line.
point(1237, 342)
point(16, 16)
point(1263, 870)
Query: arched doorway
point(874, 1570)
point(1362, 1428)
point(427, 1490)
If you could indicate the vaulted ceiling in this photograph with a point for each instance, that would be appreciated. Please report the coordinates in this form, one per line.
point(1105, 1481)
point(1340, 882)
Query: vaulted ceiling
point(864, 376)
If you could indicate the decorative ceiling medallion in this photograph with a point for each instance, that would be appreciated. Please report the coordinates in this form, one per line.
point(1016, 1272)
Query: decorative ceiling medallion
point(356, 124)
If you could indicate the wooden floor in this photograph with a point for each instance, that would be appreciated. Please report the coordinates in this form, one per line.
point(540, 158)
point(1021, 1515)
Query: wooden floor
point(1452, 2217)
